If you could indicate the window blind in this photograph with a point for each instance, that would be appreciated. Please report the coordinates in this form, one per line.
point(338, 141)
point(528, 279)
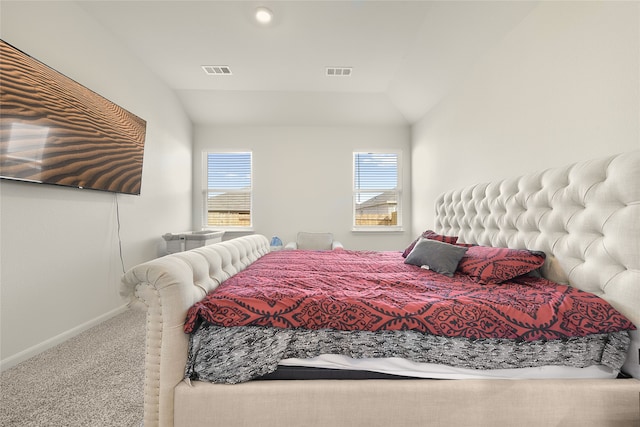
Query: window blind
point(228, 189)
point(376, 189)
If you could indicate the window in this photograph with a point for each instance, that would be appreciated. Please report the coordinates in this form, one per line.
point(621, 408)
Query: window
point(227, 196)
point(376, 191)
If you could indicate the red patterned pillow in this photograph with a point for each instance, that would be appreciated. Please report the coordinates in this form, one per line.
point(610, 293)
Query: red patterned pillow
point(485, 264)
point(431, 235)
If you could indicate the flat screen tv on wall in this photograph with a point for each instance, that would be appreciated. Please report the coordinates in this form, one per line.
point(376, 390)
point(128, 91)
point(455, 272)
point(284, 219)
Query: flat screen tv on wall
point(53, 130)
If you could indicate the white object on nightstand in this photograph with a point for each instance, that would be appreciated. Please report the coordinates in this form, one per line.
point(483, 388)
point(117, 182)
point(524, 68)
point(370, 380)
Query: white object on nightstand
point(178, 242)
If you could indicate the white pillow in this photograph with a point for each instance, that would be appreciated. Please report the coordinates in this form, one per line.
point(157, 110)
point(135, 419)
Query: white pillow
point(552, 270)
point(314, 241)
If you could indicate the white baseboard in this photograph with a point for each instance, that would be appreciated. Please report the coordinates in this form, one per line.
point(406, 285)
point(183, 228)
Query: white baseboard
point(20, 357)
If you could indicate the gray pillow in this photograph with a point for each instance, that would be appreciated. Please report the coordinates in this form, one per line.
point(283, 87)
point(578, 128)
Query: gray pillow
point(440, 257)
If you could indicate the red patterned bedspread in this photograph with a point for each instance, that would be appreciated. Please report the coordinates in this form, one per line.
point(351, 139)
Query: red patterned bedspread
point(373, 291)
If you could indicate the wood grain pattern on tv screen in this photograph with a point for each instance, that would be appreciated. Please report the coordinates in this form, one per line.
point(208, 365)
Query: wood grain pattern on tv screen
point(54, 130)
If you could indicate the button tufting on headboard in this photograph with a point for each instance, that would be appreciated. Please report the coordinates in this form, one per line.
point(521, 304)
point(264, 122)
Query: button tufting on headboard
point(586, 214)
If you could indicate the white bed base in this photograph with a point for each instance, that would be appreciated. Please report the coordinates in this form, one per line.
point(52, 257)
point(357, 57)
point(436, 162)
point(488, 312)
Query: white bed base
point(587, 215)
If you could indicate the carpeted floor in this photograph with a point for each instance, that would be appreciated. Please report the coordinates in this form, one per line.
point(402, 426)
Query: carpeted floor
point(93, 379)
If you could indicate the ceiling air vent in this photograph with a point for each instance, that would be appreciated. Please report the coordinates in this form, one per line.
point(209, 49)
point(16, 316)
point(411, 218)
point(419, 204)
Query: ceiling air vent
point(339, 71)
point(217, 70)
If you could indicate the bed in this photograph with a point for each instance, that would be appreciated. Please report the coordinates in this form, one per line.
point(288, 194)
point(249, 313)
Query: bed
point(583, 218)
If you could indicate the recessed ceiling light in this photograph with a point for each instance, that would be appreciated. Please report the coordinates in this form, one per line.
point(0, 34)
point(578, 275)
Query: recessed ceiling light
point(263, 15)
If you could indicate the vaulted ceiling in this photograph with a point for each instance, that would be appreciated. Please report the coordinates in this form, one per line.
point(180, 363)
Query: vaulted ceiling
point(405, 55)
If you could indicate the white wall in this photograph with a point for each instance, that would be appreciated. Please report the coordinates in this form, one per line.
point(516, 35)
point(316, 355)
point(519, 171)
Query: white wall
point(303, 177)
point(561, 87)
point(60, 264)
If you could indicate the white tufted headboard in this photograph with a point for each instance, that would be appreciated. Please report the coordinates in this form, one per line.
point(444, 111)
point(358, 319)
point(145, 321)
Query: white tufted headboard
point(587, 215)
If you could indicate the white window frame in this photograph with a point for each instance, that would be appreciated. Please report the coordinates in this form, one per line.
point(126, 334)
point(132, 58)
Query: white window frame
point(397, 190)
point(206, 191)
